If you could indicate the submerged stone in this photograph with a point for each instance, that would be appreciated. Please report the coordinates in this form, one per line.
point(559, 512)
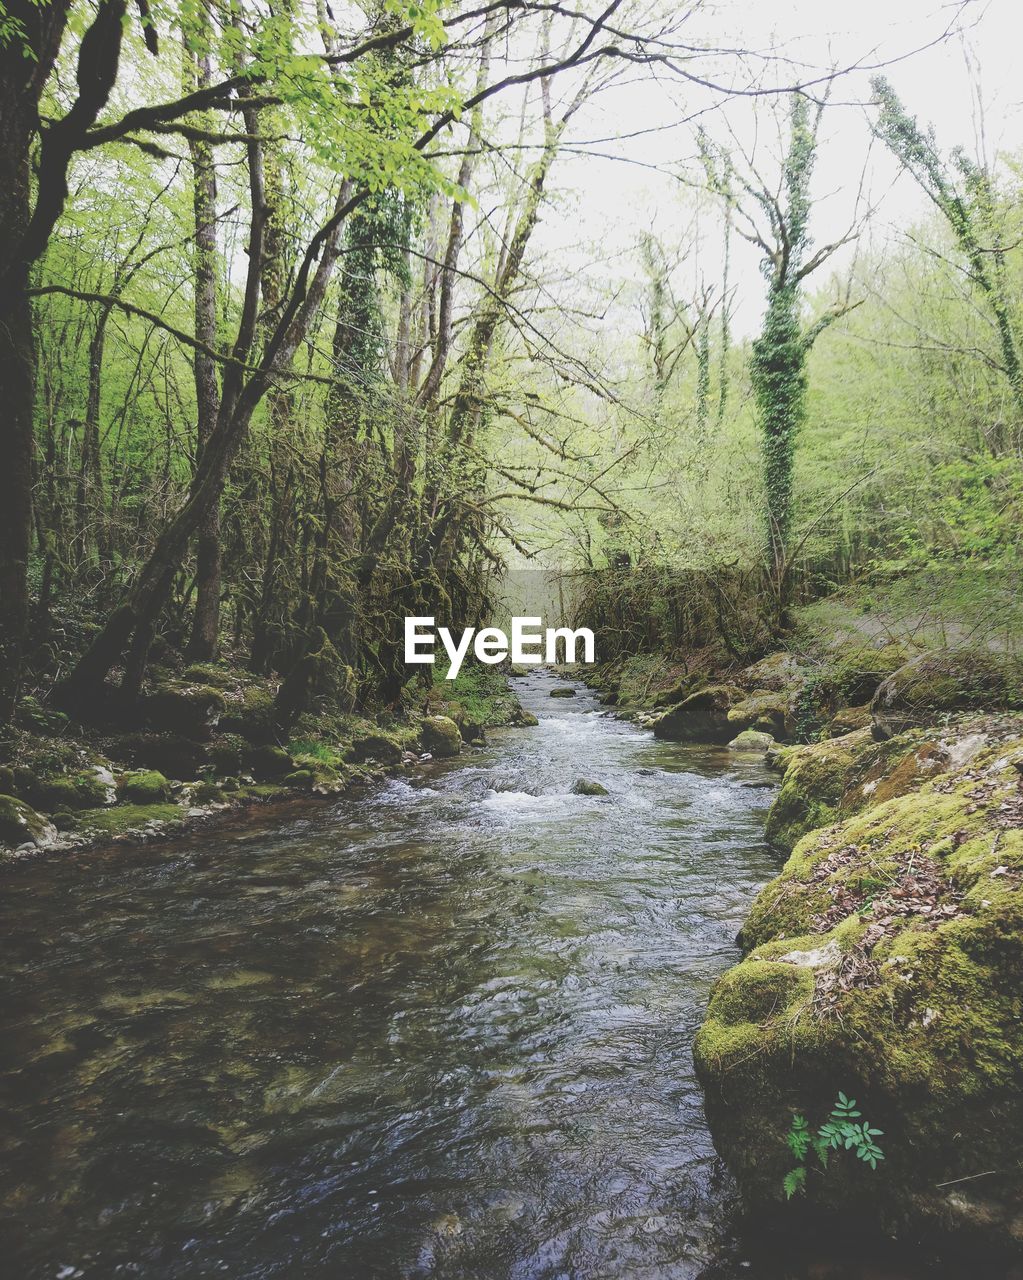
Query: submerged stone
point(586, 787)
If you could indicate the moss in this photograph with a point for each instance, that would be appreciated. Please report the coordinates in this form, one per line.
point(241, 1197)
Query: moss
point(812, 789)
point(251, 715)
point(848, 720)
point(524, 719)
point(20, 824)
point(923, 690)
point(763, 711)
point(441, 737)
point(146, 786)
point(206, 793)
point(225, 753)
point(563, 691)
point(751, 740)
point(481, 696)
point(192, 710)
point(374, 746)
point(267, 762)
point(586, 787)
point(885, 961)
point(86, 790)
point(702, 717)
point(125, 818)
point(209, 674)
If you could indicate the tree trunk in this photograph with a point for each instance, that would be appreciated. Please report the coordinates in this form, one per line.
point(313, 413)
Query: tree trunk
point(204, 639)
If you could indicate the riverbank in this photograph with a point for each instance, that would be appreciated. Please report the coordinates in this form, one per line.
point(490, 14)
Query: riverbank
point(884, 963)
point(203, 746)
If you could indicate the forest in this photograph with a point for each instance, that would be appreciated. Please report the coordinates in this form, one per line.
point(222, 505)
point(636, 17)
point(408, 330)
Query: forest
point(318, 318)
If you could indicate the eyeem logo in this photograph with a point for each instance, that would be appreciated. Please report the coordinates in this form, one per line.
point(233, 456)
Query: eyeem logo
point(491, 645)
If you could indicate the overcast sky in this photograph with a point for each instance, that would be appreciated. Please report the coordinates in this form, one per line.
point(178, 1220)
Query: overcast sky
point(621, 189)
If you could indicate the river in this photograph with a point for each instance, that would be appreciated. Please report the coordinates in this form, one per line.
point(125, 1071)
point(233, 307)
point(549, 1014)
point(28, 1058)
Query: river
point(440, 1030)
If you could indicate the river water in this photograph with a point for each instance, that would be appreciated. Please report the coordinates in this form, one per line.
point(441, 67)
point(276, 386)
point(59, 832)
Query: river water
point(443, 1030)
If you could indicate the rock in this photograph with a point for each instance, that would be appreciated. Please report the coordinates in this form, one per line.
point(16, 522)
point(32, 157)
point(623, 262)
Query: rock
point(171, 754)
point(206, 793)
point(884, 961)
point(751, 740)
point(517, 671)
point(848, 720)
point(919, 692)
point(268, 762)
point(192, 710)
point(225, 753)
point(20, 825)
point(763, 710)
point(677, 693)
point(586, 787)
point(90, 789)
point(441, 737)
point(251, 716)
point(563, 691)
point(523, 719)
point(147, 786)
point(811, 792)
point(374, 746)
point(702, 717)
point(207, 673)
point(777, 673)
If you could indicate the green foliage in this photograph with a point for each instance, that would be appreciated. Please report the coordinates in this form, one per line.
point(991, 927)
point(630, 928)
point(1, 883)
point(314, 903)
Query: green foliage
point(843, 1130)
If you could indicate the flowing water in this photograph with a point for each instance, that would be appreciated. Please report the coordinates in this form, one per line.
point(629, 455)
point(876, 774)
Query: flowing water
point(443, 1030)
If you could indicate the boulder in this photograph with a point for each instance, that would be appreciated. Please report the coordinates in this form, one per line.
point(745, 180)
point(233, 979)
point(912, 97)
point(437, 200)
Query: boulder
point(884, 962)
point(752, 740)
point(250, 715)
point(702, 717)
point(848, 720)
point(268, 762)
point(762, 710)
point(225, 753)
point(586, 787)
point(169, 753)
point(440, 736)
point(145, 786)
point(563, 691)
point(923, 690)
point(777, 673)
point(523, 719)
point(517, 671)
point(20, 824)
point(374, 746)
point(89, 789)
point(192, 710)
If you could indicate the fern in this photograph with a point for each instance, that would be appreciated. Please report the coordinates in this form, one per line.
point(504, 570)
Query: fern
point(839, 1132)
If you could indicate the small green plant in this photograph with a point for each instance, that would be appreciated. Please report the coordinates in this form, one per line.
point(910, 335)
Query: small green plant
point(844, 1129)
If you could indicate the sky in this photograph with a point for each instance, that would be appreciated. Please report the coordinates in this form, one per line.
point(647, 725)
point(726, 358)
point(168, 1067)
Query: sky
point(613, 191)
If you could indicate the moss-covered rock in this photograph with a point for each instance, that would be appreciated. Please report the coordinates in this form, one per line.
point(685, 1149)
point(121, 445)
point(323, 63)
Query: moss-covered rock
point(777, 673)
point(763, 711)
point(88, 789)
point(886, 962)
point(225, 753)
point(811, 792)
point(171, 754)
point(702, 717)
point(130, 820)
point(211, 675)
point(206, 793)
point(563, 691)
point(32, 715)
point(440, 736)
point(848, 720)
point(250, 715)
point(144, 786)
point(192, 710)
point(268, 762)
point(524, 719)
point(20, 824)
point(587, 787)
point(934, 684)
point(751, 740)
point(374, 746)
